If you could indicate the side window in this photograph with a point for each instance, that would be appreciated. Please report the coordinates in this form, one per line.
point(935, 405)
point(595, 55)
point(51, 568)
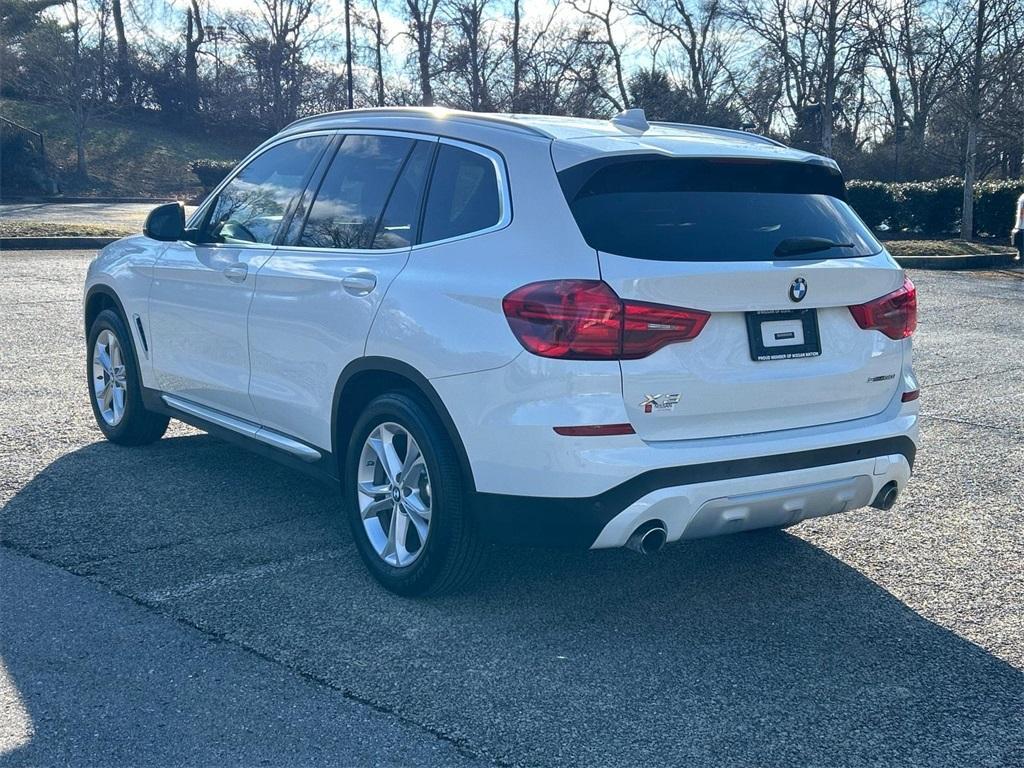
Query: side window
point(400, 222)
point(463, 195)
point(250, 208)
point(354, 190)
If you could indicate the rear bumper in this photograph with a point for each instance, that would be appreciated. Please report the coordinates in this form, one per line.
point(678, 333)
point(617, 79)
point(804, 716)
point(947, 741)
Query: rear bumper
point(706, 499)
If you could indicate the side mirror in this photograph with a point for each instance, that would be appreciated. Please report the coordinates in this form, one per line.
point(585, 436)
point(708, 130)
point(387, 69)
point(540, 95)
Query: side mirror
point(166, 223)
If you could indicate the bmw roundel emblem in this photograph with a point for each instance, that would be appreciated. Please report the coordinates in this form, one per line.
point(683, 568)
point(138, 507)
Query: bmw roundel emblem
point(798, 289)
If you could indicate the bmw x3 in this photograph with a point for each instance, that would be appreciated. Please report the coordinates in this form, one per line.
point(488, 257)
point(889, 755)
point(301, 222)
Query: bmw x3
point(526, 329)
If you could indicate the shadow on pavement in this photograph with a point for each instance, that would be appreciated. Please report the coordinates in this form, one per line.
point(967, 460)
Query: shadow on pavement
point(756, 649)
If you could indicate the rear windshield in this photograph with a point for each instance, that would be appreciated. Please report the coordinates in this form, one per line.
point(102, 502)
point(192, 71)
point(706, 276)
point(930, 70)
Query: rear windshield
point(698, 209)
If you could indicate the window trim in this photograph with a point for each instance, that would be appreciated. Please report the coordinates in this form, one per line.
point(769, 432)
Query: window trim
point(201, 215)
point(504, 193)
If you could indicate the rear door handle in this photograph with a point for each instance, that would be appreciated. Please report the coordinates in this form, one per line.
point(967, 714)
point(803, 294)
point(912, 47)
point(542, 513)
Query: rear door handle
point(359, 284)
point(236, 273)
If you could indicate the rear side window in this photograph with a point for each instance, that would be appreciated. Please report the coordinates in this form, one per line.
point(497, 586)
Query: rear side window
point(399, 225)
point(463, 195)
point(354, 191)
point(670, 209)
point(251, 206)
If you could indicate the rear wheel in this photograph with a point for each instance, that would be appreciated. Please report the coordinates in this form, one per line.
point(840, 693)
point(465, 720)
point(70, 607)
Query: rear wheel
point(405, 499)
point(114, 387)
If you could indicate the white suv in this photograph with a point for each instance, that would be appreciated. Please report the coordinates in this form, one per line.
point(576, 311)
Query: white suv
point(522, 328)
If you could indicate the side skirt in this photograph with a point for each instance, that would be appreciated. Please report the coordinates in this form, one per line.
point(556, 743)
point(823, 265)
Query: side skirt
point(285, 450)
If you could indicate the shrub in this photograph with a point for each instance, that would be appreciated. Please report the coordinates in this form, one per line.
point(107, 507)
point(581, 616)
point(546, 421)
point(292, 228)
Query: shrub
point(933, 208)
point(872, 200)
point(994, 206)
point(210, 172)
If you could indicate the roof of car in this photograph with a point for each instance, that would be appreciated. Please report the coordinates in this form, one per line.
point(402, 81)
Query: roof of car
point(576, 138)
point(547, 126)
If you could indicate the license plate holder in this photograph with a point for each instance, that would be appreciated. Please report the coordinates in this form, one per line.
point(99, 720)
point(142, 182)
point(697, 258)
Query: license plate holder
point(783, 334)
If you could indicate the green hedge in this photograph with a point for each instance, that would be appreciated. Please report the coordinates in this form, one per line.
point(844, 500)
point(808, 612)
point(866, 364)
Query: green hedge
point(210, 172)
point(933, 207)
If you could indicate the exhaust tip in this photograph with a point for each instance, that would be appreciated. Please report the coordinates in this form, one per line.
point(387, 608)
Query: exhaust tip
point(886, 498)
point(648, 538)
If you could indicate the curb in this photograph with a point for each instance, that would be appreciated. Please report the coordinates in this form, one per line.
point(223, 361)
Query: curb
point(58, 200)
point(966, 261)
point(54, 243)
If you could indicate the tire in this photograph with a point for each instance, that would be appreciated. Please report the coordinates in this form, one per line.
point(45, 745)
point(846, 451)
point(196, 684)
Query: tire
point(450, 555)
point(132, 424)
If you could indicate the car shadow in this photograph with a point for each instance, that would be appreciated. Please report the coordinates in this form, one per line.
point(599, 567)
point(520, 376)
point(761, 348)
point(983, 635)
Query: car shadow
point(756, 649)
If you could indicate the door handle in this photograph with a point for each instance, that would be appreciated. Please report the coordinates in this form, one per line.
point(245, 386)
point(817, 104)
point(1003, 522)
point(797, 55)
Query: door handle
point(359, 284)
point(236, 273)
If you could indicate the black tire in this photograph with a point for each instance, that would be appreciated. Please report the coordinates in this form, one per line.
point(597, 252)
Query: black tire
point(137, 425)
point(452, 552)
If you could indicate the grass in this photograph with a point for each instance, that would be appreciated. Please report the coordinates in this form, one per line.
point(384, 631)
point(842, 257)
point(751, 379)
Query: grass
point(127, 156)
point(942, 248)
point(16, 228)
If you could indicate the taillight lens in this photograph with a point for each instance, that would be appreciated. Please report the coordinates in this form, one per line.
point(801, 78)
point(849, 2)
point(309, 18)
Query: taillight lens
point(586, 320)
point(894, 314)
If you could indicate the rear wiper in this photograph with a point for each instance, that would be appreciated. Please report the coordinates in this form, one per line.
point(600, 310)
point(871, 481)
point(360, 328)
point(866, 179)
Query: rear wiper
point(796, 246)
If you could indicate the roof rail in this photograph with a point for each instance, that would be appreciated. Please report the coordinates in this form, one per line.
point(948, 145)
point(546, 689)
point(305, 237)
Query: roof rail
point(485, 118)
point(754, 138)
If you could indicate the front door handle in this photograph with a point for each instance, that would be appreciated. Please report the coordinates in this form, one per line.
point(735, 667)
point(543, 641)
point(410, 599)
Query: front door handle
point(236, 273)
point(359, 284)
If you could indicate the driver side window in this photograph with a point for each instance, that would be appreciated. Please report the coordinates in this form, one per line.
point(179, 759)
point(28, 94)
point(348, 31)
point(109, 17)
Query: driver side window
point(252, 205)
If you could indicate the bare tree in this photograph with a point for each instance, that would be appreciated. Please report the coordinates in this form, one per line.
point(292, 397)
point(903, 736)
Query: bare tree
point(694, 28)
point(421, 32)
point(604, 17)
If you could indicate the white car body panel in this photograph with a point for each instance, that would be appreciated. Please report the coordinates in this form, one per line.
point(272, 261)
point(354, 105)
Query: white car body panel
point(305, 326)
point(198, 321)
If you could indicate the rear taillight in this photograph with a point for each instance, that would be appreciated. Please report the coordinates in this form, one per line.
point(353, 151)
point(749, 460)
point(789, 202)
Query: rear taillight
point(586, 320)
point(894, 314)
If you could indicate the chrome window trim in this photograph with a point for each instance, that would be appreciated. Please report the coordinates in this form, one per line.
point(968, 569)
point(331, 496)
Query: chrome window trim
point(501, 172)
point(504, 193)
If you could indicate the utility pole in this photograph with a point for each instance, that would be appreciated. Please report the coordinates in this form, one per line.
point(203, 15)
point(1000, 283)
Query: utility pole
point(348, 52)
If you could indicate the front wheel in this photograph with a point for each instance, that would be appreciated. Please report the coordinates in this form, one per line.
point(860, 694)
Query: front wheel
point(406, 500)
point(114, 387)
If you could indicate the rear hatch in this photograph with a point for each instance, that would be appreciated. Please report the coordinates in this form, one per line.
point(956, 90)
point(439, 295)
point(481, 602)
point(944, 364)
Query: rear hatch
point(772, 252)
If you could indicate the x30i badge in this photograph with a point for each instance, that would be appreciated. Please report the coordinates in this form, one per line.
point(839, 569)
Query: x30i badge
point(652, 403)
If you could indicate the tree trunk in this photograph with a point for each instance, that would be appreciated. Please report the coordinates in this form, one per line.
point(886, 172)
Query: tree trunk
point(517, 63)
point(378, 34)
point(973, 124)
point(828, 109)
point(970, 173)
point(193, 39)
point(348, 54)
point(124, 77)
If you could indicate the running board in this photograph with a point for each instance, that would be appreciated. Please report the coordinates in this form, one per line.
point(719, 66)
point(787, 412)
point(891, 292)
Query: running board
point(243, 427)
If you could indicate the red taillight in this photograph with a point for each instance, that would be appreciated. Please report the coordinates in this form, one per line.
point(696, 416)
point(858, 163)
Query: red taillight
point(894, 314)
point(586, 320)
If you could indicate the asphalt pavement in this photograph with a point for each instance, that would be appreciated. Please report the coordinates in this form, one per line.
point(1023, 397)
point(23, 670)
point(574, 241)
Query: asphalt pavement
point(190, 602)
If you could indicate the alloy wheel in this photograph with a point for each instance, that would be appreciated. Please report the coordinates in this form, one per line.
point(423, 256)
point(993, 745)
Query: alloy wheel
point(394, 494)
point(109, 381)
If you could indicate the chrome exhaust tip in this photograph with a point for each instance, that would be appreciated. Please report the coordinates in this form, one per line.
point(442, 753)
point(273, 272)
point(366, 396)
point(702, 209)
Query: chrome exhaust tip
point(648, 538)
point(886, 498)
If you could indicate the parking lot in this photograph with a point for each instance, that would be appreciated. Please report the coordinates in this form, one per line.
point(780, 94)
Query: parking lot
point(192, 602)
